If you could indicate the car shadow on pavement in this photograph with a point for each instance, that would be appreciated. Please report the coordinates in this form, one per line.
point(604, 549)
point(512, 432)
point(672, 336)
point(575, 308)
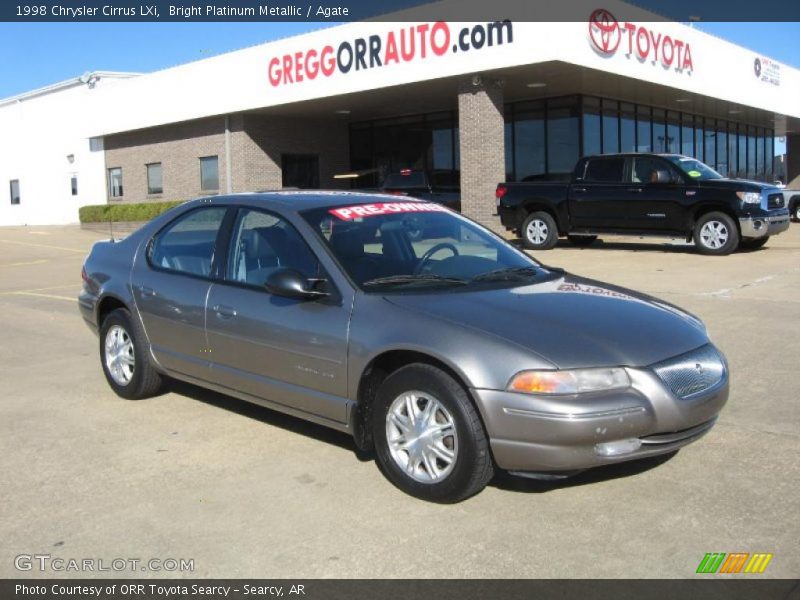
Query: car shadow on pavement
point(505, 481)
point(502, 480)
point(268, 416)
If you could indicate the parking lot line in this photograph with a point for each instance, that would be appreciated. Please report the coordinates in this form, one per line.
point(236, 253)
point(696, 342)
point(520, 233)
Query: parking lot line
point(41, 295)
point(26, 263)
point(43, 246)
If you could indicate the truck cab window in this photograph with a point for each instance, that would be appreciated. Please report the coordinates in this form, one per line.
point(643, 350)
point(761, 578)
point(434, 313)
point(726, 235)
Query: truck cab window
point(605, 170)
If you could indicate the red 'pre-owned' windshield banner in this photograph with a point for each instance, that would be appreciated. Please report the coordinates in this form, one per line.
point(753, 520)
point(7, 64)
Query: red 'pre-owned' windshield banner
point(348, 213)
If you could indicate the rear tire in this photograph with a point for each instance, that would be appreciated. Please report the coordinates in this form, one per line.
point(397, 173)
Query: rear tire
point(716, 234)
point(441, 453)
point(539, 231)
point(124, 358)
point(581, 241)
point(753, 244)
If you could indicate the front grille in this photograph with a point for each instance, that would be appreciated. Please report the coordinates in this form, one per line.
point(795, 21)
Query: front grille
point(775, 201)
point(693, 372)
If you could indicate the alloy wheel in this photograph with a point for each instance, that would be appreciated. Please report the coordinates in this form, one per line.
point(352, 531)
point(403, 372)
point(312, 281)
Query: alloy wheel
point(714, 234)
point(119, 356)
point(537, 231)
point(421, 436)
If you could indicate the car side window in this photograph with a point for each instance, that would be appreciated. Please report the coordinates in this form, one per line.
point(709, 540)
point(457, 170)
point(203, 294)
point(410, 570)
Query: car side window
point(647, 169)
point(187, 245)
point(262, 243)
point(605, 170)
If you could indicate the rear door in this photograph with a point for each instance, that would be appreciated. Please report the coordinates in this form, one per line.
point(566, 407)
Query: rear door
point(599, 198)
point(170, 281)
point(659, 194)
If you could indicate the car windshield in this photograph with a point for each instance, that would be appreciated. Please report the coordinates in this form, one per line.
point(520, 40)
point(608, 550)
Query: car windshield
point(403, 246)
point(694, 168)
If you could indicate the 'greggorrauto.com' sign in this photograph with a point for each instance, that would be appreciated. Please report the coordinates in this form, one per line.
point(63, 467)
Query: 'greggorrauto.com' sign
point(423, 41)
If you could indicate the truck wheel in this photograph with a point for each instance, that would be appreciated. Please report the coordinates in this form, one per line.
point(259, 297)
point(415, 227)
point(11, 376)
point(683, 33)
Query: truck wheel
point(715, 233)
point(539, 231)
point(753, 244)
point(582, 240)
point(429, 439)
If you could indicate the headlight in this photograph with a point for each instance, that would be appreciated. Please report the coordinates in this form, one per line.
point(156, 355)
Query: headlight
point(569, 382)
point(749, 197)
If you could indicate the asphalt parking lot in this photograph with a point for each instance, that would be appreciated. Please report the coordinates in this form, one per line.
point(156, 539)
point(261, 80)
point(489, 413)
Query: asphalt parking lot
point(246, 492)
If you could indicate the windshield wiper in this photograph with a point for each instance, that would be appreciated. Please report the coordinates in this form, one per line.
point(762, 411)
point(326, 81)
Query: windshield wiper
point(409, 279)
point(508, 274)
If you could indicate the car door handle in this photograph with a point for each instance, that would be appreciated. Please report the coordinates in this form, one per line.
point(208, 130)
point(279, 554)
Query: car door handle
point(578, 189)
point(637, 190)
point(147, 290)
point(224, 312)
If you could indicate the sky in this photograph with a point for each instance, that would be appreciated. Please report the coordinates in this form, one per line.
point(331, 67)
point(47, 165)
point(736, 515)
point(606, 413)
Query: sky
point(38, 54)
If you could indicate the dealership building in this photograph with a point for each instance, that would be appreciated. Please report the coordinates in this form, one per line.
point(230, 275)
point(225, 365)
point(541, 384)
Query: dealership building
point(472, 103)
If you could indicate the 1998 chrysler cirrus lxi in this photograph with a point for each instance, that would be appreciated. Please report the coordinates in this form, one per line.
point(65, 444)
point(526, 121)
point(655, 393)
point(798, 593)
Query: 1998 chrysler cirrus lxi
point(419, 332)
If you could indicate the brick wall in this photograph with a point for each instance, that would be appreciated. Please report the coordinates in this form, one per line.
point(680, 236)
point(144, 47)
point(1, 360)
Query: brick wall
point(177, 147)
point(256, 145)
point(257, 156)
point(482, 146)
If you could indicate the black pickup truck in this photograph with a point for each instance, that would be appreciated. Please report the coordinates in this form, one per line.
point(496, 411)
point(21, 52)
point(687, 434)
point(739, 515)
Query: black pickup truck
point(437, 186)
point(644, 194)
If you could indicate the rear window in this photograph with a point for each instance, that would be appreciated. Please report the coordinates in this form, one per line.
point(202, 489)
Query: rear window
point(605, 170)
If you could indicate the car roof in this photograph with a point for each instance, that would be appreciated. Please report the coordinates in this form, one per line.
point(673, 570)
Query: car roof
point(300, 200)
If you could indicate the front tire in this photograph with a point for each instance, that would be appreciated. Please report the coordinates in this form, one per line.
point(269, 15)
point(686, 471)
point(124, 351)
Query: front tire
point(539, 231)
point(429, 439)
point(715, 233)
point(124, 358)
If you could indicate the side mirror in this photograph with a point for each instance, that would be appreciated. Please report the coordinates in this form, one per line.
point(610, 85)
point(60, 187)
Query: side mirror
point(292, 284)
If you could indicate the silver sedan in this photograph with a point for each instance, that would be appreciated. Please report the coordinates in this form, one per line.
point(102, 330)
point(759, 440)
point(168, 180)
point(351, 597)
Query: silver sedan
point(427, 337)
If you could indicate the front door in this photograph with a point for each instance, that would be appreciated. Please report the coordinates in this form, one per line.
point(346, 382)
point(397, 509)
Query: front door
point(289, 351)
point(659, 194)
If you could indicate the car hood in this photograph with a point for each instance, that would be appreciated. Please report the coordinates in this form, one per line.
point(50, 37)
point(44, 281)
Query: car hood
point(569, 321)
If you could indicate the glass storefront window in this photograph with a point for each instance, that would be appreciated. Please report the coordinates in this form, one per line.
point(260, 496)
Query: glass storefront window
point(591, 133)
point(529, 141)
point(722, 147)
point(732, 152)
point(644, 141)
point(710, 143)
point(751, 152)
point(659, 130)
point(562, 135)
point(627, 128)
point(508, 139)
point(687, 135)
point(610, 126)
point(673, 132)
point(741, 171)
point(769, 156)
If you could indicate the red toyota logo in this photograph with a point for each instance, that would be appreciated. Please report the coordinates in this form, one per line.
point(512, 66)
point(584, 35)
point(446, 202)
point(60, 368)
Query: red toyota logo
point(604, 31)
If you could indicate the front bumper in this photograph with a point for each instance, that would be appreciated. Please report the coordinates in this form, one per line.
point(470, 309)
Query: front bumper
point(552, 434)
point(755, 227)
